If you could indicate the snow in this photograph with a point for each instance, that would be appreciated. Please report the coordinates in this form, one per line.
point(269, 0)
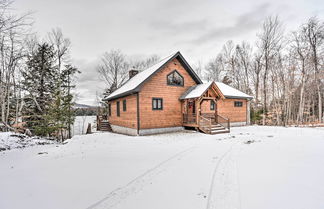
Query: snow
point(81, 124)
point(10, 140)
point(229, 91)
point(250, 168)
point(196, 91)
point(135, 81)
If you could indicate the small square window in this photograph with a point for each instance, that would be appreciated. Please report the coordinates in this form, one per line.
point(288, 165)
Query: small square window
point(212, 105)
point(157, 104)
point(238, 104)
point(124, 105)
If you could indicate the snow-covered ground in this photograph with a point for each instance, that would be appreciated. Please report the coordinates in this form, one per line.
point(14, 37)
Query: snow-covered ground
point(81, 123)
point(251, 168)
point(10, 140)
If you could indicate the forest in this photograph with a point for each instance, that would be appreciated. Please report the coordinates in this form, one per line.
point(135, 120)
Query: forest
point(36, 78)
point(283, 71)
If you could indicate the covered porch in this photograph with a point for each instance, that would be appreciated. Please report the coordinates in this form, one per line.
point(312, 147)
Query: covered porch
point(199, 109)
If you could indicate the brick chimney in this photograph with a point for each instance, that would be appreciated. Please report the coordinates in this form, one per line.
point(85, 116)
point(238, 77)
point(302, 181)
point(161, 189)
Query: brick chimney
point(132, 73)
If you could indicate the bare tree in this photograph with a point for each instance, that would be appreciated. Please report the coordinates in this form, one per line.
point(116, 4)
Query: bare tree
point(243, 54)
point(315, 35)
point(62, 46)
point(215, 69)
point(113, 69)
point(13, 30)
point(301, 51)
point(256, 71)
point(270, 39)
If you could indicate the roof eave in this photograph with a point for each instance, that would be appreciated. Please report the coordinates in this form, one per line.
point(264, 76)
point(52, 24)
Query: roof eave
point(127, 93)
point(237, 97)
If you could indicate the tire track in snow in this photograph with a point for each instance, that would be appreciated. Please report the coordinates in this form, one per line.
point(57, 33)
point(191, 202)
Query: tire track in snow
point(224, 188)
point(135, 185)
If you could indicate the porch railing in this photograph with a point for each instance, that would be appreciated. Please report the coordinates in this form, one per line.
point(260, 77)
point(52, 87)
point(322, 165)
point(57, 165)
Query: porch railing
point(189, 118)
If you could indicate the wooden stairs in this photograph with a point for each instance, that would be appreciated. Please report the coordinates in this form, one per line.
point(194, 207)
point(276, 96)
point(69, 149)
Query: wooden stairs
point(212, 126)
point(103, 124)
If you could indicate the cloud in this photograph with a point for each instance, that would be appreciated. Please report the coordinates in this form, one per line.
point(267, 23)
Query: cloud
point(244, 23)
point(88, 83)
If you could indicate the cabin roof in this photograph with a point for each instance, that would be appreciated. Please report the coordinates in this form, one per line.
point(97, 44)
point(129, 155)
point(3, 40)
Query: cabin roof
point(232, 93)
point(196, 91)
point(229, 92)
point(134, 84)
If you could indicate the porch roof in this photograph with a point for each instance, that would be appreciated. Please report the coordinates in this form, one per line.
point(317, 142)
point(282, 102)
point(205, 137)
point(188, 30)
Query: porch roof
point(228, 92)
point(196, 91)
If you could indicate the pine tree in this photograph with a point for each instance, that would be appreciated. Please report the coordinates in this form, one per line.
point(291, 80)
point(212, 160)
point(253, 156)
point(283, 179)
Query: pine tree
point(39, 82)
point(61, 115)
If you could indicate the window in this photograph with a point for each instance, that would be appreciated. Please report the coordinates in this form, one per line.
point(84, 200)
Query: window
point(212, 105)
point(238, 104)
point(124, 105)
point(175, 79)
point(157, 104)
point(118, 109)
point(109, 109)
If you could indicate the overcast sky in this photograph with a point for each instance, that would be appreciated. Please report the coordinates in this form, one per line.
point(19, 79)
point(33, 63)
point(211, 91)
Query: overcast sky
point(141, 28)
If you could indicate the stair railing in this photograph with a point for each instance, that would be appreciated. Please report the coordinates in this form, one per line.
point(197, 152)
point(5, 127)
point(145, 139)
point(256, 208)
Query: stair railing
point(225, 122)
point(203, 122)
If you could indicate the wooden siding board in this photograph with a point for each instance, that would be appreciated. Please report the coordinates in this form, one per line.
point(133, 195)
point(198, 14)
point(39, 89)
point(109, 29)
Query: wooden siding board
point(127, 118)
point(235, 114)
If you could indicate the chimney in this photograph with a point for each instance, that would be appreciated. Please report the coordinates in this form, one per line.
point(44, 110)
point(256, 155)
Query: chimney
point(132, 73)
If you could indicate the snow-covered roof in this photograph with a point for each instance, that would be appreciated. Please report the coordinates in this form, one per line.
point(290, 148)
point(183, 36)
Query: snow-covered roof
point(134, 83)
point(227, 91)
point(196, 91)
point(230, 92)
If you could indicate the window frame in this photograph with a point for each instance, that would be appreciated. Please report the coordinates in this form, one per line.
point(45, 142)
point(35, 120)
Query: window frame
point(212, 105)
point(169, 84)
point(157, 99)
point(124, 105)
point(118, 108)
point(109, 109)
point(238, 104)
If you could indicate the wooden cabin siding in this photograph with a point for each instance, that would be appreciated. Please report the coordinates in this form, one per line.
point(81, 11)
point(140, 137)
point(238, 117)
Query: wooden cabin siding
point(129, 117)
point(205, 107)
point(235, 114)
point(157, 87)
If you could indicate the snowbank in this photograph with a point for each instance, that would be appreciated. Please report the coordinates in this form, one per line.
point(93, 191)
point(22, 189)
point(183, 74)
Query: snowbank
point(10, 140)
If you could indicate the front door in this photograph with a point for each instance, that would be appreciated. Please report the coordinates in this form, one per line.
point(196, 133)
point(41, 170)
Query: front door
point(191, 107)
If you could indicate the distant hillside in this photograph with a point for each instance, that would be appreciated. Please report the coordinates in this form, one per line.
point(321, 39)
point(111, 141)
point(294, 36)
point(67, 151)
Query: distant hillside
point(83, 106)
point(82, 109)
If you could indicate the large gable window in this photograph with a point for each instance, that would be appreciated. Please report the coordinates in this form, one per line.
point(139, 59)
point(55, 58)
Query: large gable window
point(175, 79)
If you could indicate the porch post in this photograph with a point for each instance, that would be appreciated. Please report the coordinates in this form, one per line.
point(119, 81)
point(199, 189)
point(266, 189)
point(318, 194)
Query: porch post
point(248, 116)
point(197, 105)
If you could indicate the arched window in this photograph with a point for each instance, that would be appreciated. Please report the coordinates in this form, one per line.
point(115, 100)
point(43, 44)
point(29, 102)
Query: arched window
point(175, 79)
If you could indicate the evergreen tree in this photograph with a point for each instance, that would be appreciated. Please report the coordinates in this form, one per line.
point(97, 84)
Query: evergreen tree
point(39, 82)
point(61, 115)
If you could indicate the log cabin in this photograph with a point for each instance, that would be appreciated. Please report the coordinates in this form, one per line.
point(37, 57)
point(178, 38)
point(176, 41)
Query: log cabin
point(169, 96)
